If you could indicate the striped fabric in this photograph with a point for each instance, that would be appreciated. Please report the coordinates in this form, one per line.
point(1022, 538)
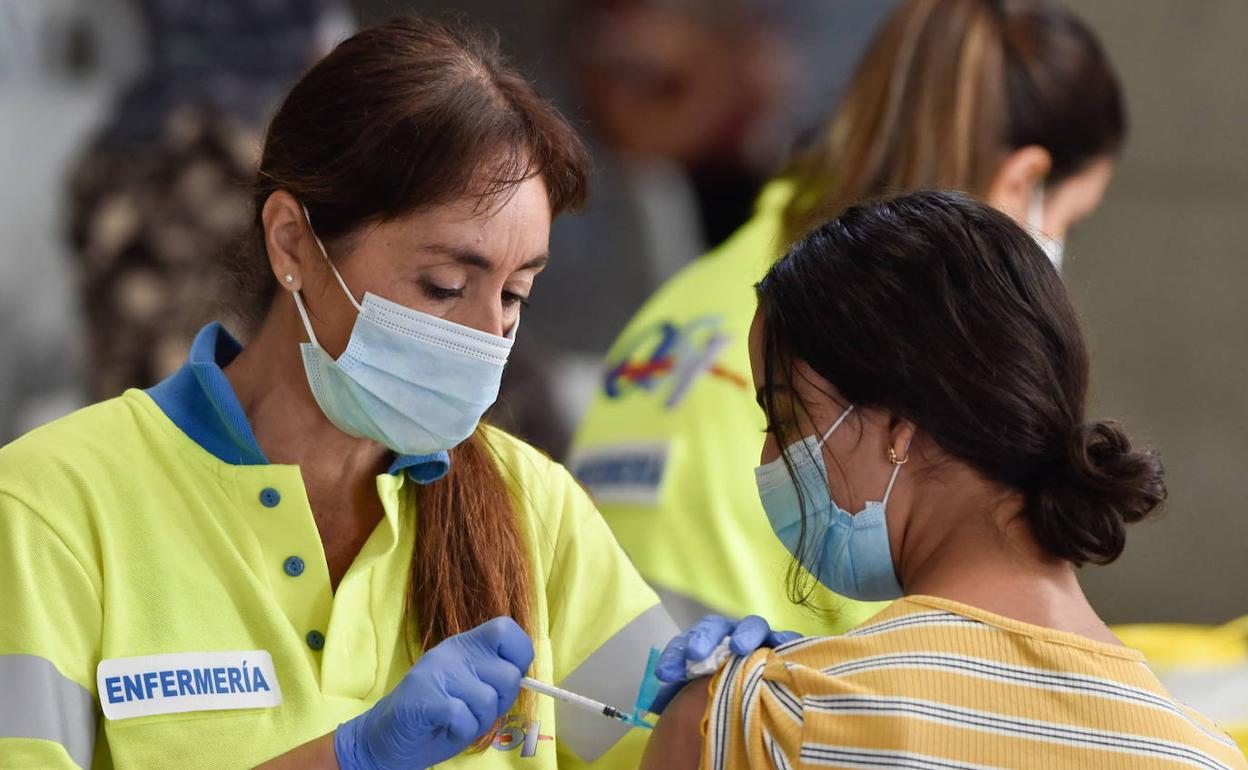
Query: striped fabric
point(930, 684)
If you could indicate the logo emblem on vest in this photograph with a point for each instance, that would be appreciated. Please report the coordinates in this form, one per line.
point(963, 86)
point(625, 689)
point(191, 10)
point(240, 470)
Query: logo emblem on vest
point(186, 681)
point(668, 354)
point(516, 734)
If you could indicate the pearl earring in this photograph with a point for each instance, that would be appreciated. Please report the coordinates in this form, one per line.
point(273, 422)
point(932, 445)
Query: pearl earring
point(290, 278)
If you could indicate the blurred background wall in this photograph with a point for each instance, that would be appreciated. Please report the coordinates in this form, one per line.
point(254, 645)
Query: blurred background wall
point(1160, 274)
point(1157, 272)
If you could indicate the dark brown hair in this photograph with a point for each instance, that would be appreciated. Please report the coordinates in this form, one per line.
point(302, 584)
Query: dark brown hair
point(946, 90)
point(943, 311)
point(400, 117)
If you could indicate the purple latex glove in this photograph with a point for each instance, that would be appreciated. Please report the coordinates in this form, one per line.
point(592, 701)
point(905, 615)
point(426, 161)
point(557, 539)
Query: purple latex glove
point(697, 643)
point(448, 699)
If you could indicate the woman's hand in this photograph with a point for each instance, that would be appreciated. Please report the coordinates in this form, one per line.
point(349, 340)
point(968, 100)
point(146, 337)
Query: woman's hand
point(687, 655)
point(447, 700)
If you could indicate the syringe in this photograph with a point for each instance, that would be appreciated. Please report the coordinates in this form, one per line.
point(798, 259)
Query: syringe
point(581, 701)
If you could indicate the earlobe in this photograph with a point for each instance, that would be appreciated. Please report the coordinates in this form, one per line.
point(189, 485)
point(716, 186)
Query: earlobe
point(1016, 180)
point(283, 222)
point(901, 438)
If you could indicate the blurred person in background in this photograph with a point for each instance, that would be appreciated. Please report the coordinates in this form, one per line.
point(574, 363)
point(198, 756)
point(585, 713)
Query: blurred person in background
point(160, 194)
point(695, 83)
point(678, 100)
point(1011, 100)
point(687, 107)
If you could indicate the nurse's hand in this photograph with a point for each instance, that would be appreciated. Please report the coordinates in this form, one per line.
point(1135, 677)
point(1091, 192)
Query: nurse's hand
point(698, 652)
point(445, 702)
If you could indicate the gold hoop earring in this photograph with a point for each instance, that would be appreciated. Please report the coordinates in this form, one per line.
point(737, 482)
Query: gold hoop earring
point(892, 457)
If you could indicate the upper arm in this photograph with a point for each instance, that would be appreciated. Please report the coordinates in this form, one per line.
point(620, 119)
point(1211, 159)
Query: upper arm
point(49, 644)
point(677, 740)
point(754, 715)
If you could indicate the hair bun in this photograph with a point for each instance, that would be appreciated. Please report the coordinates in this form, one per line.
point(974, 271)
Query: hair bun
point(1081, 515)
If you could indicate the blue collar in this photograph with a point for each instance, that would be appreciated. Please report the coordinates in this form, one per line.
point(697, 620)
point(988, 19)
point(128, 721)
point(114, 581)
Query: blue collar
point(198, 399)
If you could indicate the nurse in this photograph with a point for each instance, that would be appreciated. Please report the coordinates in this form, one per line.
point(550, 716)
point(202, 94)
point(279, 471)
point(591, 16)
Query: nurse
point(309, 550)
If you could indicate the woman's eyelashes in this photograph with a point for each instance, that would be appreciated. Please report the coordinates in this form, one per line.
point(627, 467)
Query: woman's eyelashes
point(510, 299)
point(441, 293)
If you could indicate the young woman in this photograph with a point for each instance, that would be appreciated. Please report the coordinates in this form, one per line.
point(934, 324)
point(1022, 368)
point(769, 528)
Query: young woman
point(1012, 100)
point(308, 549)
point(924, 377)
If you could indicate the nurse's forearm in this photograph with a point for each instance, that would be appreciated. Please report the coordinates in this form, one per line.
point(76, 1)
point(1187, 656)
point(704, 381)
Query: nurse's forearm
point(316, 754)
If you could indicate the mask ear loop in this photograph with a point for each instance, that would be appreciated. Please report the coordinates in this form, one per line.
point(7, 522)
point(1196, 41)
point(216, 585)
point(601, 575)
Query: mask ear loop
point(823, 439)
point(1035, 209)
point(325, 254)
point(303, 314)
point(892, 458)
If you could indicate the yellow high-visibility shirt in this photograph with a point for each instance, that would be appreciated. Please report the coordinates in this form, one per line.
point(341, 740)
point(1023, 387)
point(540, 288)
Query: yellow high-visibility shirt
point(932, 684)
point(671, 438)
point(165, 599)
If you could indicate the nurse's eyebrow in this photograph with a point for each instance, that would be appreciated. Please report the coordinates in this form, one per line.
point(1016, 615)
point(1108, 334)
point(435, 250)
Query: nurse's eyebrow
point(470, 258)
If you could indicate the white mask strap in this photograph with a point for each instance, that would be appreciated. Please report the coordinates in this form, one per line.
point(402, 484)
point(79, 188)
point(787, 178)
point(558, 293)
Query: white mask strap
point(836, 424)
point(303, 313)
point(1035, 211)
point(891, 480)
point(332, 269)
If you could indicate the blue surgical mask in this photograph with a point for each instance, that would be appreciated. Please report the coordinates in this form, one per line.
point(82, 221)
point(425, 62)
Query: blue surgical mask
point(848, 553)
point(414, 382)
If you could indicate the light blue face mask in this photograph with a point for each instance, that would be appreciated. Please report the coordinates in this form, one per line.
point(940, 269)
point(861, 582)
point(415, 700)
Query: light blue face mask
point(848, 553)
point(414, 382)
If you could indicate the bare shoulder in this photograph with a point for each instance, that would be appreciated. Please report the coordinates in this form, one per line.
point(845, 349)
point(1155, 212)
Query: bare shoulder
point(677, 740)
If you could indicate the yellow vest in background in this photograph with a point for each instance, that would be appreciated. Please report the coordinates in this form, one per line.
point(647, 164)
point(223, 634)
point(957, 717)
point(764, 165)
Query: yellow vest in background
point(1204, 667)
point(670, 441)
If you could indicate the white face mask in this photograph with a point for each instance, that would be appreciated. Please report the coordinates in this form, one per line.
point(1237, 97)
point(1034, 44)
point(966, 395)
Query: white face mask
point(1053, 248)
point(414, 382)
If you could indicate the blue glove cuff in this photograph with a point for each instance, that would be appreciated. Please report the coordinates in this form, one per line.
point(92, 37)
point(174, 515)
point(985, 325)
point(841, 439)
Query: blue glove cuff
point(351, 755)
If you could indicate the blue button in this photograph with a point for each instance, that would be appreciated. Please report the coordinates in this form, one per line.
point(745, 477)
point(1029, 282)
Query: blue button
point(293, 566)
point(316, 640)
point(269, 497)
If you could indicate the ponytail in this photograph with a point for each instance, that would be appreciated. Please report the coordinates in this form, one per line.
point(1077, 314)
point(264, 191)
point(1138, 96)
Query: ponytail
point(946, 90)
point(469, 564)
point(925, 109)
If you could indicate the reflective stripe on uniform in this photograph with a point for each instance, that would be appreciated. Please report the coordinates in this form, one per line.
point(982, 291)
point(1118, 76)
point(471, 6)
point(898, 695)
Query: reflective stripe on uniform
point(612, 675)
point(39, 702)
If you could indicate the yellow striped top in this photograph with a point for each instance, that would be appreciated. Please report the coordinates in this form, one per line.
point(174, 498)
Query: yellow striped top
point(931, 684)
